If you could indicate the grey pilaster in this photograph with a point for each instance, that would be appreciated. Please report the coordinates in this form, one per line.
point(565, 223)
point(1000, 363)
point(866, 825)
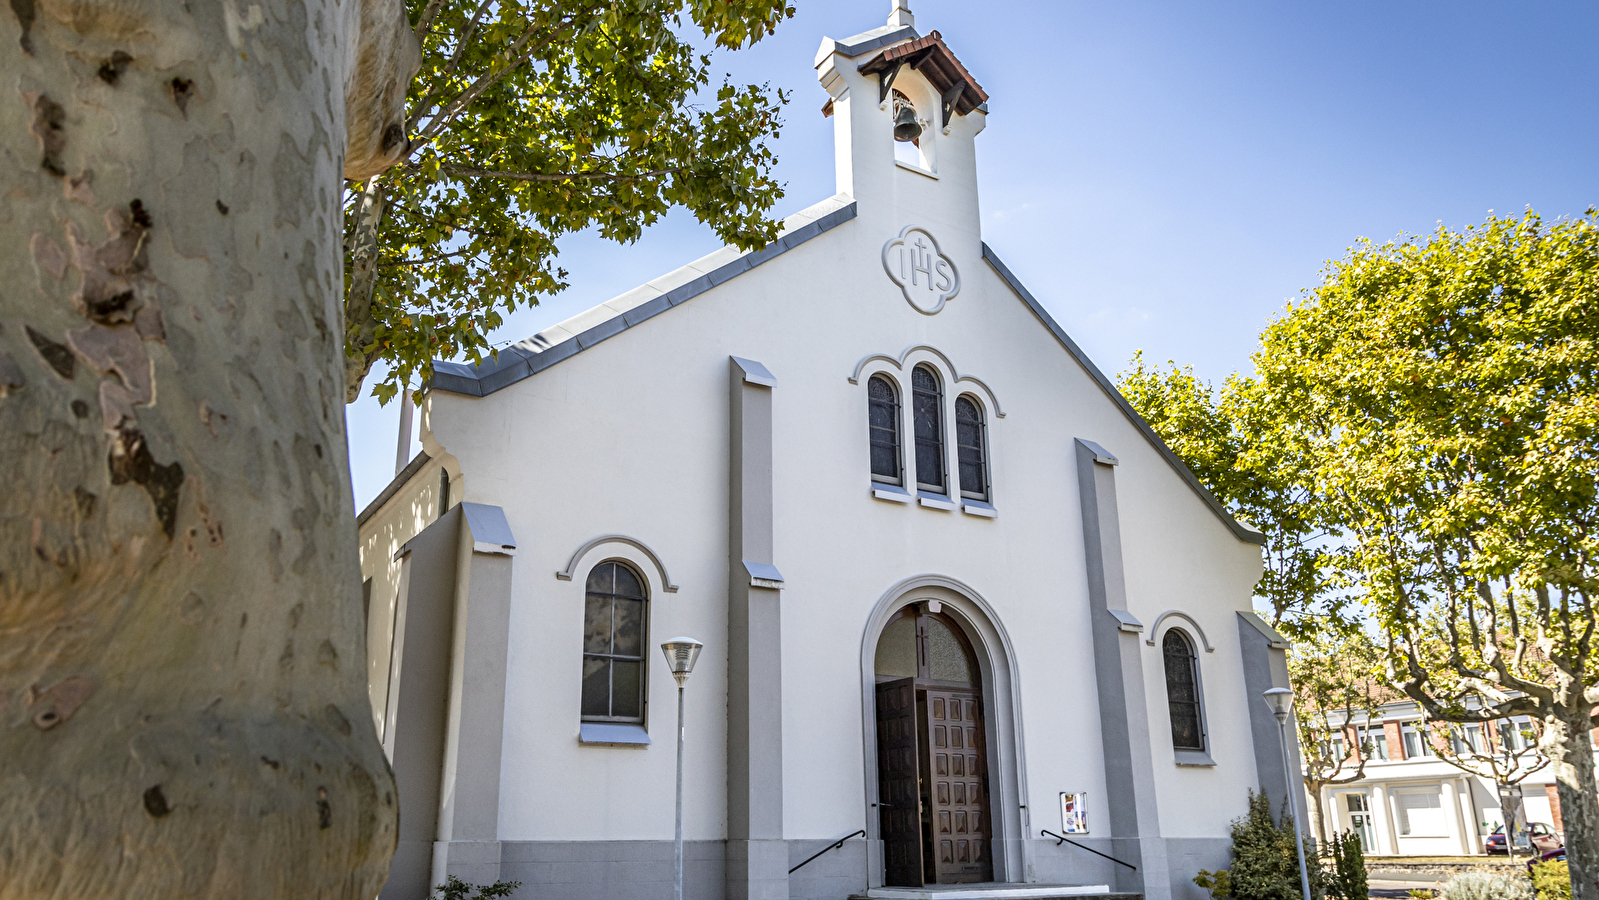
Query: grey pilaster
point(469, 807)
point(419, 697)
point(757, 856)
point(1124, 715)
point(455, 594)
point(1265, 655)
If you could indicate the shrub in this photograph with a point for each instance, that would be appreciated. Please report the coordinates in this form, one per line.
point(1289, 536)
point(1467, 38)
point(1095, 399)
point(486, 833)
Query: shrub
point(455, 889)
point(1483, 884)
point(1218, 883)
point(1347, 880)
point(1552, 880)
point(1265, 860)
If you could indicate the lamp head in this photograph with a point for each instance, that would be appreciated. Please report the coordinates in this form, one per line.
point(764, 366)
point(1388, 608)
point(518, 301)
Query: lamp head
point(1281, 701)
point(681, 652)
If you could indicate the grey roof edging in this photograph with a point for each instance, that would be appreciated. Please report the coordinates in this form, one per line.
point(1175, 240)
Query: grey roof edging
point(1246, 535)
point(515, 364)
point(411, 468)
point(850, 51)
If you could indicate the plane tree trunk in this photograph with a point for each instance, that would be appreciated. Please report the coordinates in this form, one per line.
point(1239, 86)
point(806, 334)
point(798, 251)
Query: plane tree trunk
point(183, 709)
point(1570, 749)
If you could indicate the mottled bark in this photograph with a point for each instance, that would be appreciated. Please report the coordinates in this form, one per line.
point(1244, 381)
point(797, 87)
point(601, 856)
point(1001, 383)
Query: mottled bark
point(359, 326)
point(1570, 750)
point(183, 709)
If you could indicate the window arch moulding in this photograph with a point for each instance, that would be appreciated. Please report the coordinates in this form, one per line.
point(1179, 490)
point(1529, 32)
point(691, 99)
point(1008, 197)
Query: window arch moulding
point(1154, 630)
point(954, 375)
point(660, 568)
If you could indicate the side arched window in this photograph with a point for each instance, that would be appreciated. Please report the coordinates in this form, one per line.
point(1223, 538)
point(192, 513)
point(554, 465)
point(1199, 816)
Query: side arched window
point(883, 428)
point(615, 617)
point(927, 416)
point(971, 444)
point(1182, 691)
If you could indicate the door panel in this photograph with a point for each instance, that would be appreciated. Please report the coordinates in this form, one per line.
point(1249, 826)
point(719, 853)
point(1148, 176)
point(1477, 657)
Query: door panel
point(898, 793)
point(958, 798)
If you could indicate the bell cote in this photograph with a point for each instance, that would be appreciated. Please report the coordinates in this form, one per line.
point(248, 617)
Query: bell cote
point(906, 113)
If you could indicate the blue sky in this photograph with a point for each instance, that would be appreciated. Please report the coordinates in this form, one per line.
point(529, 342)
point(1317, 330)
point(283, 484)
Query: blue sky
point(1165, 176)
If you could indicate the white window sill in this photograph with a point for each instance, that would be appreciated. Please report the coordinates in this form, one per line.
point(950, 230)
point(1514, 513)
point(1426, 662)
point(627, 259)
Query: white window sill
point(912, 167)
point(614, 734)
point(979, 508)
point(935, 501)
point(1194, 758)
point(890, 492)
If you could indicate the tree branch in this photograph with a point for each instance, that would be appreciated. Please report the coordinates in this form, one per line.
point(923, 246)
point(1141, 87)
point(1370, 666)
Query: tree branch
point(467, 172)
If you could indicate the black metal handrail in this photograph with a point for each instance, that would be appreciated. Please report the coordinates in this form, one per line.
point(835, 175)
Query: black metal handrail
point(833, 846)
point(1060, 838)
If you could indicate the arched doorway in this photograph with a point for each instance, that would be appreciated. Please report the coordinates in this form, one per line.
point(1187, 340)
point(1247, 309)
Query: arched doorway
point(932, 762)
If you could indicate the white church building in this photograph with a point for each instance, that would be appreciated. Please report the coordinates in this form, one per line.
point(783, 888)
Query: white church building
point(953, 592)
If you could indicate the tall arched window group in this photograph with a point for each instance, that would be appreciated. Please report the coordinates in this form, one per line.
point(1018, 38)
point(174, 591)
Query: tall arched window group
point(615, 631)
point(1182, 692)
point(928, 436)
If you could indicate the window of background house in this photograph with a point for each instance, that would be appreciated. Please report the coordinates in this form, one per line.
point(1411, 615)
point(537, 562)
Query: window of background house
point(927, 415)
point(613, 645)
point(1416, 743)
point(883, 427)
point(1182, 692)
point(1373, 742)
point(971, 448)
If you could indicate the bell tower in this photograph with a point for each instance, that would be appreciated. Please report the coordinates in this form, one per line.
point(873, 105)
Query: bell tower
point(906, 115)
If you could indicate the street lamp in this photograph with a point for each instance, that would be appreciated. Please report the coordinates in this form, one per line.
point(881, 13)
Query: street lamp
point(1281, 701)
point(681, 652)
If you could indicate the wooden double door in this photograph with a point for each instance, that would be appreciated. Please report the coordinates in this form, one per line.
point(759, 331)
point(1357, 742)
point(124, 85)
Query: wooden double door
point(932, 784)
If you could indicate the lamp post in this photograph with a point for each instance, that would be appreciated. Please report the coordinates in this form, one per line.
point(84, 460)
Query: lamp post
point(1281, 701)
point(681, 652)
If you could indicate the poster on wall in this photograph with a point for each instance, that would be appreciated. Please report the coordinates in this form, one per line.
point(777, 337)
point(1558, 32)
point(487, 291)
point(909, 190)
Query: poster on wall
point(1074, 813)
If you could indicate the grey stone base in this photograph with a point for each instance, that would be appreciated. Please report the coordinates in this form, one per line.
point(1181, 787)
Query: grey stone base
point(642, 870)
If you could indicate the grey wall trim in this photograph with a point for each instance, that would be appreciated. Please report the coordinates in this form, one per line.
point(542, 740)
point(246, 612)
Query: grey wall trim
point(1119, 676)
point(419, 699)
point(1154, 630)
point(955, 376)
point(907, 33)
point(470, 806)
point(1265, 667)
point(404, 475)
point(1001, 679)
point(577, 557)
point(757, 857)
point(490, 532)
point(1243, 534)
point(516, 363)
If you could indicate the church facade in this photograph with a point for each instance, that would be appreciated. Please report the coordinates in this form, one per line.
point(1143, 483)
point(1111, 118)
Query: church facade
point(953, 592)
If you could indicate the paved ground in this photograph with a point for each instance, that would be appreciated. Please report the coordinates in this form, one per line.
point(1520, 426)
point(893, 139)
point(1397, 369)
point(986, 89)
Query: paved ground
point(1395, 890)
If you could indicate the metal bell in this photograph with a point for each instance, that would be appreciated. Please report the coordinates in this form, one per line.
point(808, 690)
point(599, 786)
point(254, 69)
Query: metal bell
point(906, 128)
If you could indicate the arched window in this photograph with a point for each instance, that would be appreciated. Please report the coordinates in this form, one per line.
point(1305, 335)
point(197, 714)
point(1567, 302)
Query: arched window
point(1182, 692)
point(614, 624)
point(927, 416)
point(883, 427)
point(971, 447)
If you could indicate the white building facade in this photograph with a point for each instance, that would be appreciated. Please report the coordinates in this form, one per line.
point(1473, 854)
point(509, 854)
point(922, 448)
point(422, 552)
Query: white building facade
point(946, 579)
point(1409, 801)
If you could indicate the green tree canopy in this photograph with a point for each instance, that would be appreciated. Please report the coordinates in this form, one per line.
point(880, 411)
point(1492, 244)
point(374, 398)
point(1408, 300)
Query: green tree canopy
point(531, 119)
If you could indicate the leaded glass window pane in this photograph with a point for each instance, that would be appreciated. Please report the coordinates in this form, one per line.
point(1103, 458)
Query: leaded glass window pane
point(1182, 692)
point(927, 417)
point(883, 428)
point(614, 620)
point(896, 649)
point(946, 656)
point(969, 448)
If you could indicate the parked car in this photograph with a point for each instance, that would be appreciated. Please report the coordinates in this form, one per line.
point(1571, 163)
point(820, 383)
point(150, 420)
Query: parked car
point(1547, 856)
point(1540, 838)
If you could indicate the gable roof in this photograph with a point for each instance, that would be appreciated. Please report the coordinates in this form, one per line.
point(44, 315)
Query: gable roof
point(527, 358)
point(931, 57)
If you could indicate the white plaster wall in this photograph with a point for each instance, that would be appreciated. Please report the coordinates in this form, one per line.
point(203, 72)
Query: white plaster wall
point(414, 507)
point(631, 437)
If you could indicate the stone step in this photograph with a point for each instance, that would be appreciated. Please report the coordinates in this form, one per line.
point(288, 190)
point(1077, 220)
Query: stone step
point(997, 891)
